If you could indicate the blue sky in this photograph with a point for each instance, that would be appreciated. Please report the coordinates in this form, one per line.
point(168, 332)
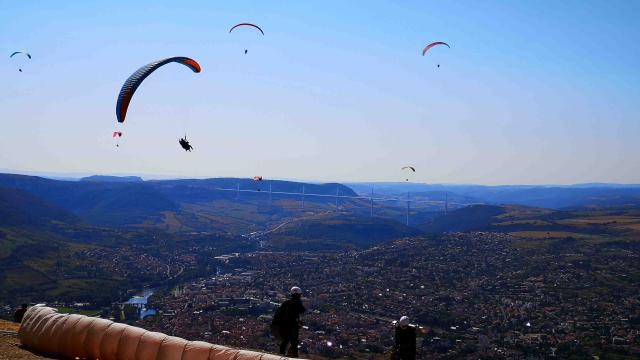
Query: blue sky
point(531, 92)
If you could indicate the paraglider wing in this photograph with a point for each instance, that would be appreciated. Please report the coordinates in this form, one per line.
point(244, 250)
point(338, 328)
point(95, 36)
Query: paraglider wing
point(407, 168)
point(246, 24)
point(133, 82)
point(21, 52)
point(424, 51)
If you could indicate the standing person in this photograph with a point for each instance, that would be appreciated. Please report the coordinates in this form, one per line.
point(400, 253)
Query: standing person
point(405, 344)
point(289, 322)
point(19, 314)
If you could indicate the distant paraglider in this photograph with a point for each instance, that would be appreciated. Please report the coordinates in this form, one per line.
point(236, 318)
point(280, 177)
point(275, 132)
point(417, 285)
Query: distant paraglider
point(118, 135)
point(249, 25)
point(408, 170)
point(185, 144)
point(258, 179)
point(424, 51)
point(20, 52)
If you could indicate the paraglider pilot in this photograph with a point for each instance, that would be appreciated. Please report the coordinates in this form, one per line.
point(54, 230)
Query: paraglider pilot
point(405, 340)
point(287, 321)
point(185, 144)
point(19, 314)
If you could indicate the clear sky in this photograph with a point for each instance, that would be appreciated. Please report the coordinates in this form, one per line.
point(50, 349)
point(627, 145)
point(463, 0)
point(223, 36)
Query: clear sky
point(530, 92)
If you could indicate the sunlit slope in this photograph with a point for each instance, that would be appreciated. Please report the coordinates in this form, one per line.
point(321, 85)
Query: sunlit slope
point(535, 223)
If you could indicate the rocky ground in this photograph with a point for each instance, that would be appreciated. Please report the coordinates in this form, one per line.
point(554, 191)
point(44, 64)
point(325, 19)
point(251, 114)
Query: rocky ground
point(10, 348)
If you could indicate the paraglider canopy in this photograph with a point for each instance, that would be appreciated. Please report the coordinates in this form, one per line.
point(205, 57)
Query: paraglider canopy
point(410, 169)
point(21, 52)
point(424, 51)
point(133, 82)
point(249, 25)
point(246, 24)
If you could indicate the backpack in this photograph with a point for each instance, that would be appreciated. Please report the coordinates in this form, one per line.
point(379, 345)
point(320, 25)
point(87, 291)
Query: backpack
point(276, 323)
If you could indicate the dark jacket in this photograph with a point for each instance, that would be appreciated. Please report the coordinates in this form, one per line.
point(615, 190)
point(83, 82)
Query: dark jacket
point(405, 345)
point(19, 314)
point(291, 311)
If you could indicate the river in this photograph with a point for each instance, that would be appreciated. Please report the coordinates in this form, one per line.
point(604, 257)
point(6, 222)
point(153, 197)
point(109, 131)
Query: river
point(141, 302)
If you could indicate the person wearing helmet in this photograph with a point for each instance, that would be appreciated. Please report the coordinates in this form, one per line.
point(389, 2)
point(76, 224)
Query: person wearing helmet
point(290, 323)
point(405, 340)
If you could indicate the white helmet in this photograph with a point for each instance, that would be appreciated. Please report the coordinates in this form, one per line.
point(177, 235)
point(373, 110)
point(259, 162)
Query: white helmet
point(296, 290)
point(404, 321)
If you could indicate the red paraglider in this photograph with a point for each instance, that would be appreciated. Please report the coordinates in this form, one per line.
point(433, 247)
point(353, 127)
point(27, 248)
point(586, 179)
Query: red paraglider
point(258, 179)
point(117, 134)
point(424, 51)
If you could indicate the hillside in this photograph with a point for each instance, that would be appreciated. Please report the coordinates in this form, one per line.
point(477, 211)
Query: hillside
point(621, 224)
point(19, 208)
point(176, 205)
point(337, 232)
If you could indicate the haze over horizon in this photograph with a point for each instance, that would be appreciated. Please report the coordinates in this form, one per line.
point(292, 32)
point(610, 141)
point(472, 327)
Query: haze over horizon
point(337, 92)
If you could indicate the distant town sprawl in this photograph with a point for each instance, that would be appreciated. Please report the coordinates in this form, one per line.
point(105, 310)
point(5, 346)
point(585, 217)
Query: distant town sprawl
point(486, 294)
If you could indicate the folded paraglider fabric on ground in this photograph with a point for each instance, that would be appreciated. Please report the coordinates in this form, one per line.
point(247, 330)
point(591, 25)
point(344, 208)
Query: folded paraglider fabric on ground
point(46, 331)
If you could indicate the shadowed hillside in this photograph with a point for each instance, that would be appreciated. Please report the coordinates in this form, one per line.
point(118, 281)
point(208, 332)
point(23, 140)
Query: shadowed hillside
point(338, 231)
point(20, 209)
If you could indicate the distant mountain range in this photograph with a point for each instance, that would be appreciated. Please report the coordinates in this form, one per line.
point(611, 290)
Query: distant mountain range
point(223, 205)
point(60, 237)
point(114, 201)
point(550, 197)
point(104, 178)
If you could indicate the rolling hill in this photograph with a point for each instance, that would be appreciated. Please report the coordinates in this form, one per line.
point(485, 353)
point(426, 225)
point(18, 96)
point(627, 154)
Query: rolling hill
point(335, 231)
point(609, 224)
point(21, 209)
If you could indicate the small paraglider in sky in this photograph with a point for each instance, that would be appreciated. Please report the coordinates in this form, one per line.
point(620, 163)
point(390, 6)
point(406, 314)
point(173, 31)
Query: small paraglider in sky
point(249, 25)
point(408, 170)
point(117, 135)
point(424, 51)
point(24, 53)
